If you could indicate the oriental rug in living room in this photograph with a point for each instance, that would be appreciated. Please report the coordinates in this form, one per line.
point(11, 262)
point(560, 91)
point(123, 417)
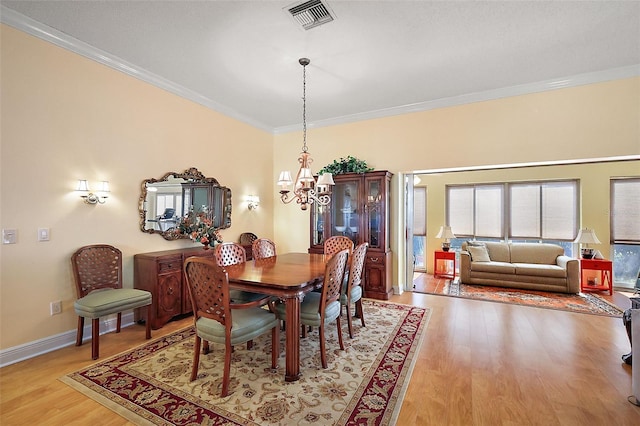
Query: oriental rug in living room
point(588, 303)
point(364, 384)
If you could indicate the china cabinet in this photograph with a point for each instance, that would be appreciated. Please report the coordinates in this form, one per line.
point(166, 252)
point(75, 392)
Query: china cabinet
point(161, 274)
point(359, 209)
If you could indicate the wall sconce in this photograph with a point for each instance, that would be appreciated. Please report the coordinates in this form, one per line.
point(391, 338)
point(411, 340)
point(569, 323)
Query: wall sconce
point(100, 196)
point(254, 202)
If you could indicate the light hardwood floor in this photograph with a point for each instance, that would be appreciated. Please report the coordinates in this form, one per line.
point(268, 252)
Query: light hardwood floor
point(481, 363)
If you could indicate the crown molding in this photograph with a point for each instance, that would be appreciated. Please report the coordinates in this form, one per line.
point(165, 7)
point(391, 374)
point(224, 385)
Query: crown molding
point(505, 92)
point(44, 32)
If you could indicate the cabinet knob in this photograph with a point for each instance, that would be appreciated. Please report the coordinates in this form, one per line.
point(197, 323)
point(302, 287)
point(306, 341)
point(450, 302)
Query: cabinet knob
point(375, 259)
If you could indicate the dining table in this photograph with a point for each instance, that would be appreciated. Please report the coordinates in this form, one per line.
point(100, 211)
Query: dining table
point(289, 277)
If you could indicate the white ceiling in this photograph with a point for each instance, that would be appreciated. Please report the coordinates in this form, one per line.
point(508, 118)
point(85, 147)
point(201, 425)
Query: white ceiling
point(376, 58)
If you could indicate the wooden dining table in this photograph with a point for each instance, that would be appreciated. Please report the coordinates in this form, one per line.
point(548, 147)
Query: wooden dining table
point(289, 277)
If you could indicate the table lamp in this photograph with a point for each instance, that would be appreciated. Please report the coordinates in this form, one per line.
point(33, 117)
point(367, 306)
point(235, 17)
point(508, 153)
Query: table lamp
point(587, 236)
point(446, 233)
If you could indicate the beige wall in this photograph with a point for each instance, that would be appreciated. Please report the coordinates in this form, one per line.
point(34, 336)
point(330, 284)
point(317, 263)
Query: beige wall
point(65, 117)
point(592, 121)
point(594, 181)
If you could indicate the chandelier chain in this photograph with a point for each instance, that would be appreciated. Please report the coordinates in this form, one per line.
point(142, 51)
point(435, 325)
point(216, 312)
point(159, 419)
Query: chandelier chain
point(304, 108)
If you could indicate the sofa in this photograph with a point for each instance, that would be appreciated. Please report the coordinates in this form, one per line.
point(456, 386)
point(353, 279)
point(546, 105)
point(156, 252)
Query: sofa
point(532, 266)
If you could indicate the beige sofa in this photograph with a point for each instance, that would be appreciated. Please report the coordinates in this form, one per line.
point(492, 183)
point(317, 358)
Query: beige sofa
point(519, 265)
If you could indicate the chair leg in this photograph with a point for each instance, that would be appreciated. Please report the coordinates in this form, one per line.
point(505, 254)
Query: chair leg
point(323, 355)
point(80, 331)
point(227, 370)
point(275, 346)
point(119, 322)
point(95, 338)
point(196, 358)
point(205, 348)
point(339, 333)
point(360, 312)
point(349, 320)
point(250, 345)
point(148, 324)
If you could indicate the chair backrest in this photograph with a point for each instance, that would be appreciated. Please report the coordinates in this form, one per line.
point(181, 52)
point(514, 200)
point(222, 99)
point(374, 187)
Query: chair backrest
point(96, 267)
point(333, 277)
point(263, 247)
point(335, 244)
point(357, 266)
point(208, 285)
point(230, 254)
point(247, 238)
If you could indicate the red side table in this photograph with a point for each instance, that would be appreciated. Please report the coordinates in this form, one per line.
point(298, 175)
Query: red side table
point(441, 263)
point(596, 275)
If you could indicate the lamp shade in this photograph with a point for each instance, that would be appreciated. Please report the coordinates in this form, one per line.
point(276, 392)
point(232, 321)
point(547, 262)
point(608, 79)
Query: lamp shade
point(587, 236)
point(445, 232)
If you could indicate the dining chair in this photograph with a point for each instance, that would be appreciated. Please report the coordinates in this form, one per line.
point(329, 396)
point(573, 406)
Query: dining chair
point(216, 319)
point(263, 247)
point(352, 292)
point(231, 253)
point(318, 309)
point(333, 245)
point(97, 271)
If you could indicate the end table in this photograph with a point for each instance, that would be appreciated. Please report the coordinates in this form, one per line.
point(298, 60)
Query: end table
point(442, 262)
point(596, 275)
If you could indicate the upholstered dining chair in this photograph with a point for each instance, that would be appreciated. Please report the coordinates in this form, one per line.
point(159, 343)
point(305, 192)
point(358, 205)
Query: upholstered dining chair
point(97, 271)
point(217, 321)
point(230, 253)
point(352, 292)
point(319, 309)
point(333, 245)
point(263, 247)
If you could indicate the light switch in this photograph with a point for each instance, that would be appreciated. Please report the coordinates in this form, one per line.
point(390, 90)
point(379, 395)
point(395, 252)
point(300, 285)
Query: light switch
point(9, 236)
point(43, 234)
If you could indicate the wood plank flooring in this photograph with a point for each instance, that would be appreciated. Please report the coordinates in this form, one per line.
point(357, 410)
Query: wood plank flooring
point(481, 363)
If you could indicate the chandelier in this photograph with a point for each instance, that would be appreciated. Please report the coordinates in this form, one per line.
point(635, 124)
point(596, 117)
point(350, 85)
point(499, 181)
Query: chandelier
point(305, 188)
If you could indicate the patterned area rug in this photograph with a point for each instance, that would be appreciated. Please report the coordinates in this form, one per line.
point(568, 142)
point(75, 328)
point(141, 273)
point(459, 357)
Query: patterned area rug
point(588, 303)
point(364, 384)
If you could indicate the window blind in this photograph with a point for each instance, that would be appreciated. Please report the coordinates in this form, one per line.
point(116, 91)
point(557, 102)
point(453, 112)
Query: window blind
point(419, 211)
point(625, 210)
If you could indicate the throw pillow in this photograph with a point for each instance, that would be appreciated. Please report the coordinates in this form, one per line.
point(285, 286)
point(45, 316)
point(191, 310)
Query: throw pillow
point(479, 253)
point(475, 243)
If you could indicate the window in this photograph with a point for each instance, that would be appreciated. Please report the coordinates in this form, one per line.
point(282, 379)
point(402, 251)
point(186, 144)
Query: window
point(419, 227)
point(530, 211)
point(476, 210)
point(625, 230)
point(544, 210)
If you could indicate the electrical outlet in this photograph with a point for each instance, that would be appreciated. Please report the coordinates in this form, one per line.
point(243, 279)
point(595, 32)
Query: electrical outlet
point(55, 307)
point(43, 234)
point(9, 236)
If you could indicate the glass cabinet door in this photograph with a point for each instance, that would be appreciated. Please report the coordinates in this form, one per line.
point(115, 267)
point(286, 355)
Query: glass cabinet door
point(345, 213)
point(320, 215)
point(375, 226)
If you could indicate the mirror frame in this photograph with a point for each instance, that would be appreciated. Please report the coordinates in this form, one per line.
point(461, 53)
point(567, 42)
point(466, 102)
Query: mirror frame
point(193, 175)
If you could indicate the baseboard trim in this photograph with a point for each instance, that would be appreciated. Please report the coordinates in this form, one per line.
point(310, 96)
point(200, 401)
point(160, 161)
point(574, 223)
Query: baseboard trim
point(49, 344)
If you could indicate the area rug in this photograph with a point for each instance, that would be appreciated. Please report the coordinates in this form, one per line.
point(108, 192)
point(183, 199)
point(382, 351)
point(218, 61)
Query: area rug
point(588, 303)
point(364, 384)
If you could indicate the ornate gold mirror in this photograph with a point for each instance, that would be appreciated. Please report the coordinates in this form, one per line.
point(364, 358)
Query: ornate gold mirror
point(166, 201)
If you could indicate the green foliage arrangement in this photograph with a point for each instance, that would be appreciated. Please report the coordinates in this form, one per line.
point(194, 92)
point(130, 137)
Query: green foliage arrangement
point(346, 165)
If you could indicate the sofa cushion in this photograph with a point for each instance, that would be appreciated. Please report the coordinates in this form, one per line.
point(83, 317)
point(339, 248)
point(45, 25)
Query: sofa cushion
point(498, 252)
point(542, 253)
point(495, 267)
point(479, 253)
point(540, 270)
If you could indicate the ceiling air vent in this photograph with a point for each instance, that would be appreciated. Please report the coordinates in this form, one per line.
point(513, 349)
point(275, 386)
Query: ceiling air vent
point(310, 13)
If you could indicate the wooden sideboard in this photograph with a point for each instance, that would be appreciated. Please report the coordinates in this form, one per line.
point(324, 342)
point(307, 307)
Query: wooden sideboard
point(161, 273)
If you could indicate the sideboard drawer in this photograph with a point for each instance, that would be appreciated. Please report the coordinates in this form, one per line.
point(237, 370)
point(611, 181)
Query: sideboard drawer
point(167, 265)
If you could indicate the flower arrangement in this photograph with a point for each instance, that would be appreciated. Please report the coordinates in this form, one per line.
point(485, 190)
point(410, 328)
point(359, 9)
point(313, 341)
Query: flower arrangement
point(199, 227)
